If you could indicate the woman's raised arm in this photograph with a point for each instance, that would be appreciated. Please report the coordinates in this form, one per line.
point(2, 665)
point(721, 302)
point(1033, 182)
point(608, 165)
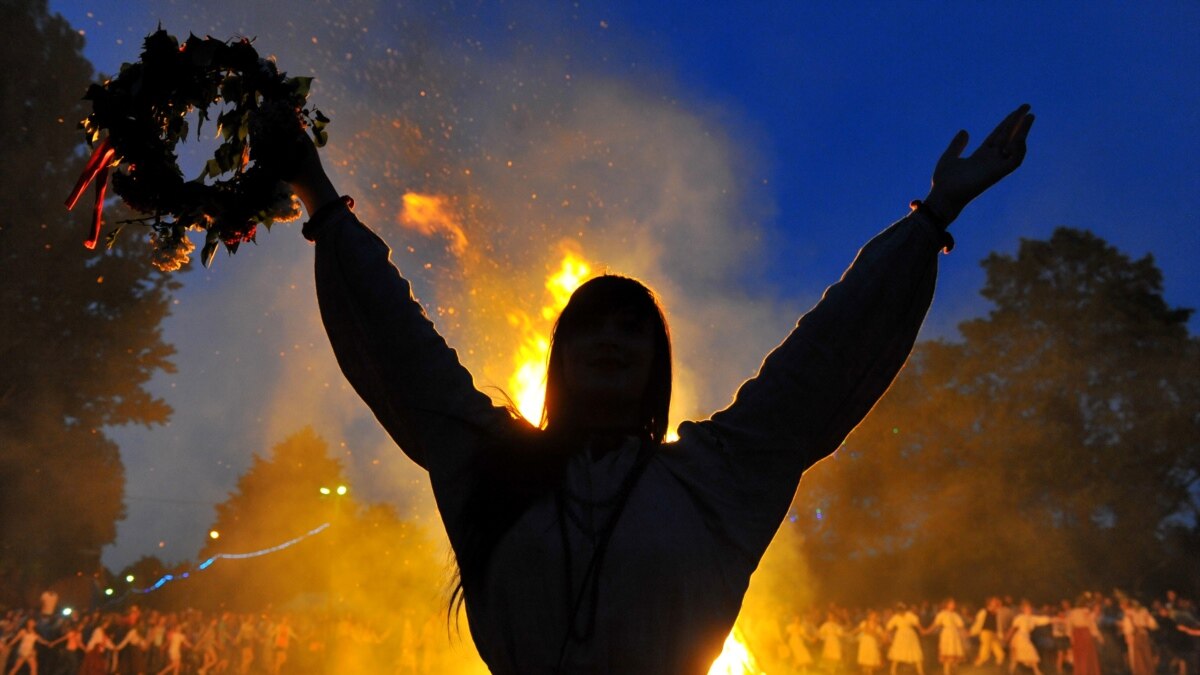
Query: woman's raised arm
point(386, 345)
point(814, 388)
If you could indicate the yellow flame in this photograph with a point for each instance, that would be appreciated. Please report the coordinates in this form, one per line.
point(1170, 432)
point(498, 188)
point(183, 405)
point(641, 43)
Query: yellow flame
point(431, 214)
point(735, 658)
point(528, 381)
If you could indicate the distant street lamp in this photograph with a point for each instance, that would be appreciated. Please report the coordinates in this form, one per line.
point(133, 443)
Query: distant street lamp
point(129, 578)
point(213, 534)
point(342, 490)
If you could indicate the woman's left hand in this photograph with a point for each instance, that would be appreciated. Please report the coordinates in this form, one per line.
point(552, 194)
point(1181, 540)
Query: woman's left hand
point(957, 179)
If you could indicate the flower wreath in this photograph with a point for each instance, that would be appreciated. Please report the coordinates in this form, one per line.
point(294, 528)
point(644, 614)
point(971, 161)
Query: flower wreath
point(144, 110)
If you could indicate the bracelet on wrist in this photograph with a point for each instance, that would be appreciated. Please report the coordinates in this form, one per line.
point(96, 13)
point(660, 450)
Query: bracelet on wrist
point(314, 225)
point(936, 220)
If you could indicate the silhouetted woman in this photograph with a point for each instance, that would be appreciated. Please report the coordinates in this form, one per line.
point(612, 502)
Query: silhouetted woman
point(591, 545)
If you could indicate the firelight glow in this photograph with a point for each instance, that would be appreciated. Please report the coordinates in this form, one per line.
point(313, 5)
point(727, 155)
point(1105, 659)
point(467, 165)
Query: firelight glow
point(432, 214)
point(735, 658)
point(528, 381)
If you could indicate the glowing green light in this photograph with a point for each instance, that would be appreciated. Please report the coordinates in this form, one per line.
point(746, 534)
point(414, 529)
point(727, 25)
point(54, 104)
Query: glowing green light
point(129, 578)
point(108, 591)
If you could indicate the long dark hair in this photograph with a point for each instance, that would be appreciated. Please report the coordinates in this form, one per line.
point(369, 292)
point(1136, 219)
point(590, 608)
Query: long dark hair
point(528, 464)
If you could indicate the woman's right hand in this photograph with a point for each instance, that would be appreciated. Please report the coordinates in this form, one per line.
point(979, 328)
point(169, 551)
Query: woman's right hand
point(311, 183)
point(280, 143)
point(957, 179)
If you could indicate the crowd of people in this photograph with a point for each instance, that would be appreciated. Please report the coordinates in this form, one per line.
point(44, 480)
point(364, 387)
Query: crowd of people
point(136, 641)
point(1093, 635)
point(1096, 633)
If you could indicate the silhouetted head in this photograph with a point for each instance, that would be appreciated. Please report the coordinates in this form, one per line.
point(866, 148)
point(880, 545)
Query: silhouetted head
point(610, 361)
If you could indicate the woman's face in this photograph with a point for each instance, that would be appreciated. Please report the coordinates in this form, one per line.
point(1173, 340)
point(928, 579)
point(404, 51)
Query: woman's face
point(606, 361)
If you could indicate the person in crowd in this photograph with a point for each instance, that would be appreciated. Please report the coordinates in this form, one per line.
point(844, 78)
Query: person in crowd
point(1172, 644)
point(70, 657)
point(26, 641)
point(176, 641)
point(870, 637)
point(948, 623)
point(96, 656)
point(830, 634)
point(244, 640)
point(904, 627)
point(1020, 638)
point(282, 638)
point(1083, 623)
point(1135, 624)
point(987, 628)
point(132, 649)
point(1060, 634)
point(799, 633)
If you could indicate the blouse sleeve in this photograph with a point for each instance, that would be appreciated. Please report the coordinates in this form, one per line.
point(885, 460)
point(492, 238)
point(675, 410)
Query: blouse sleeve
point(814, 388)
point(396, 361)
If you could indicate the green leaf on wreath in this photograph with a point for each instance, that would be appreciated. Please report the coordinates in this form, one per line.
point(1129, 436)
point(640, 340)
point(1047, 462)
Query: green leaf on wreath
point(201, 52)
point(111, 237)
point(211, 168)
point(301, 85)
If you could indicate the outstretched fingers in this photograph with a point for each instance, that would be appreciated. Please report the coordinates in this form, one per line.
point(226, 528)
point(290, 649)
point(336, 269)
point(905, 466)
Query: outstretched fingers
point(1004, 131)
point(956, 147)
point(1015, 145)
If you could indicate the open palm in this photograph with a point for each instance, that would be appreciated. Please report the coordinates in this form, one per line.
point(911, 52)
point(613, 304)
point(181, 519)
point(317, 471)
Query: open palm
point(958, 179)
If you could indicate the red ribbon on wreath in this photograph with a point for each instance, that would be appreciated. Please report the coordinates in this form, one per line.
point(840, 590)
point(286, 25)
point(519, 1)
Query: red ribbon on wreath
point(97, 169)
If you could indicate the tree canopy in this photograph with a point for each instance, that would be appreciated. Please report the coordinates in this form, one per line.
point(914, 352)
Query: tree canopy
point(81, 331)
point(366, 557)
point(1055, 447)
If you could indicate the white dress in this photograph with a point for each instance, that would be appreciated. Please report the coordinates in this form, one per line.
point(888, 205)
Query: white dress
point(797, 633)
point(906, 646)
point(831, 642)
point(868, 646)
point(692, 528)
point(950, 642)
point(1023, 650)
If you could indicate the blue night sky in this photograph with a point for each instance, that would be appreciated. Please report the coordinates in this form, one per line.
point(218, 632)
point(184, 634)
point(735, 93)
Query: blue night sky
point(757, 148)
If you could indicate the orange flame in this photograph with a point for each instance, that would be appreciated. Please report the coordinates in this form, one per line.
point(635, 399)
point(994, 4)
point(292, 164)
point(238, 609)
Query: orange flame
point(431, 214)
point(528, 381)
point(735, 658)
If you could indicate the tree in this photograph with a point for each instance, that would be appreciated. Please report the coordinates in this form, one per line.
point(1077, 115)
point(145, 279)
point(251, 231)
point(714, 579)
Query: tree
point(81, 330)
point(1054, 448)
point(279, 498)
point(367, 558)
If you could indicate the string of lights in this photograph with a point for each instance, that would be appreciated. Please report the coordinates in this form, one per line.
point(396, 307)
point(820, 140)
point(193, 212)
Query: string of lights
point(168, 578)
